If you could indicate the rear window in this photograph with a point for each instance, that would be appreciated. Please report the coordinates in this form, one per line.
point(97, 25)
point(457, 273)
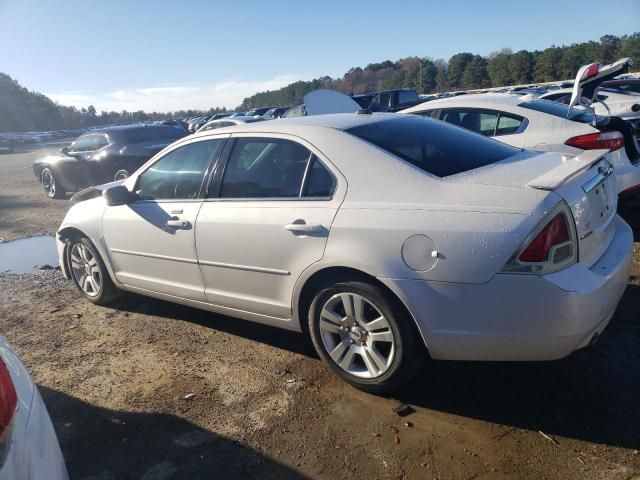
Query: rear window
point(151, 134)
point(558, 110)
point(433, 146)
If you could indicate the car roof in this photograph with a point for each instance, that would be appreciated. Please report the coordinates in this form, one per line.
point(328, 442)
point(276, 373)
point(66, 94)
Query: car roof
point(124, 128)
point(487, 100)
point(337, 121)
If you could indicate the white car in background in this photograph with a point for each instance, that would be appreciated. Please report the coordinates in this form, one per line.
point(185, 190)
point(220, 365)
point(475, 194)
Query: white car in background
point(384, 236)
point(229, 122)
point(541, 125)
point(587, 92)
point(29, 448)
point(609, 102)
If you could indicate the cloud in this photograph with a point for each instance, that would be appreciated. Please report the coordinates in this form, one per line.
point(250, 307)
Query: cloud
point(162, 98)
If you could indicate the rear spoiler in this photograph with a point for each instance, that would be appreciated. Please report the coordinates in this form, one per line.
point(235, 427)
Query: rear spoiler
point(571, 167)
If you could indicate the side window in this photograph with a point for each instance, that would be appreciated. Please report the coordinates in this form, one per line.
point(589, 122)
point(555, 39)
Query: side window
point(101, 141)
point(264, 168)
point(508, 125)
point(319, 182)
point(428, 113)
point(385, 99)
point(84, 144)
point(210, 126)
point(451, 116)
point(180, 173)
point(478, 121)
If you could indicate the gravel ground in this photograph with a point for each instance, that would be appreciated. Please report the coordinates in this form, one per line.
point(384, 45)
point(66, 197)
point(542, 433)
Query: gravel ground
point(150, 390)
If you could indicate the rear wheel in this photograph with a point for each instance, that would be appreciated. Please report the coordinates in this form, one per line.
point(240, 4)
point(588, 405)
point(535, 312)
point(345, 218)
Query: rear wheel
point(50, 185)
point(364, 336)
point(89, 272)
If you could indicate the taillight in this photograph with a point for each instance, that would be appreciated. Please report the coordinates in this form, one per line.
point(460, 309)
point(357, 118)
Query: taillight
point(612, 140)
point(8, 402)
point(590, 71)
point(551, 247)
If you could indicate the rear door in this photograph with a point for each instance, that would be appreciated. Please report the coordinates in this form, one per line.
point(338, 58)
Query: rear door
point(151, 242)
point(268, 219)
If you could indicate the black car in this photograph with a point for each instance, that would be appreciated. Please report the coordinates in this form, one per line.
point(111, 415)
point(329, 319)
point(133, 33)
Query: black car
point(102, 155)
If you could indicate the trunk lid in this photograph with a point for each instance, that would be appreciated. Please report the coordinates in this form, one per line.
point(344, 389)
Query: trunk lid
point(586, 182)
point(591, 76)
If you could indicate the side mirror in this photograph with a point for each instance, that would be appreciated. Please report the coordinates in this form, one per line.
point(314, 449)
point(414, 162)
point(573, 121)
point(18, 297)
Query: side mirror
point(119, 195)
point(64, 150)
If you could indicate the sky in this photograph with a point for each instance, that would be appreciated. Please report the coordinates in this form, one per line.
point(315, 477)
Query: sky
point(179, 54)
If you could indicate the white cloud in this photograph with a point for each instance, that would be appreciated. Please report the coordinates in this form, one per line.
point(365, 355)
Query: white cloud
point(162, 98)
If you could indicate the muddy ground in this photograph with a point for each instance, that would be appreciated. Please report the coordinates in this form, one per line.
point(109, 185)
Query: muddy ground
point(150, 390)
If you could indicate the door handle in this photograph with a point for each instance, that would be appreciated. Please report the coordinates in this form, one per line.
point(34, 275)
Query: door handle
point(177, 223)
point(303, 227)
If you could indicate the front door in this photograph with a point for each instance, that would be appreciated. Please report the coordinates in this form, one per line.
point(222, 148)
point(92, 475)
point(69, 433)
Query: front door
point(151, 242)
point(270, 220)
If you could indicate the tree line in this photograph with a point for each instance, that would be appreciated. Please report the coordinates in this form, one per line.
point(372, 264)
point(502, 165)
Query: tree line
point(24, 110)
point(463, 71)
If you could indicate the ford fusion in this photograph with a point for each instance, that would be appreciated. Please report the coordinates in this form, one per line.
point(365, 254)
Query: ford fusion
point(387, 238)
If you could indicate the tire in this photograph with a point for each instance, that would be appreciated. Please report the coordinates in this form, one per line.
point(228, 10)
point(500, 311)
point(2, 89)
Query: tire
point(121, 174)
point(82, 257)
point(51, 186)
point(375, 366)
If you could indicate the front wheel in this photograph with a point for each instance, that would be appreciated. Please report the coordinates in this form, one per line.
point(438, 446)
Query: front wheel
point(364, 336)
point(50, 185)
point(89, 272)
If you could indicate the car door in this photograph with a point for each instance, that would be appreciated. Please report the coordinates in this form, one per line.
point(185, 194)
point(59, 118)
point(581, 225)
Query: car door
point(268, 219)
point(151, 241)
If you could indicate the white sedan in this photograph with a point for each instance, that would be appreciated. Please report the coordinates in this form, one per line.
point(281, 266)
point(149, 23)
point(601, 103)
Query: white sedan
point(29, 449)
point(542, 125)
point(229, 122)
point(385, 237)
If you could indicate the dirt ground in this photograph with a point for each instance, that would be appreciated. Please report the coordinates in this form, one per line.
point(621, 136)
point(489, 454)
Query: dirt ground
point(149, 390)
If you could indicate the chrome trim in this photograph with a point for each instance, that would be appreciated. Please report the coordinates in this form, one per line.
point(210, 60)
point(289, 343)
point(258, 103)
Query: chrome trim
point(249, 268)
point(154, 255)
point(603, 173)
point(273, 271)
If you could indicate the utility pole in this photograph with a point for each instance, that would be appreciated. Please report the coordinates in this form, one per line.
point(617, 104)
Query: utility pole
point(420, 80)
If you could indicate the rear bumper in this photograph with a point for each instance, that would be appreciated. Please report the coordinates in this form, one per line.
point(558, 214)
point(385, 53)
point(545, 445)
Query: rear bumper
point(521, 317)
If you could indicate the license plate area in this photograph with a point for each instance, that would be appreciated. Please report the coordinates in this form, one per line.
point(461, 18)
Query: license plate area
point(600, 201)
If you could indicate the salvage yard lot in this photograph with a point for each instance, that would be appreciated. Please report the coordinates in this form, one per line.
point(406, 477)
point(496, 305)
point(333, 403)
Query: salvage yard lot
point(153, 390)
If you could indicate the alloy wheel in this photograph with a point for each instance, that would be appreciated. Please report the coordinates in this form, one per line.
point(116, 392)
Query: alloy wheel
point(86, 270)
point(356, 335)
point(49, 183)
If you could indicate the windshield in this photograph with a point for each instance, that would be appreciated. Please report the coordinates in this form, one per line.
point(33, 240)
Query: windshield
point(433, 146)
point(559, 110)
